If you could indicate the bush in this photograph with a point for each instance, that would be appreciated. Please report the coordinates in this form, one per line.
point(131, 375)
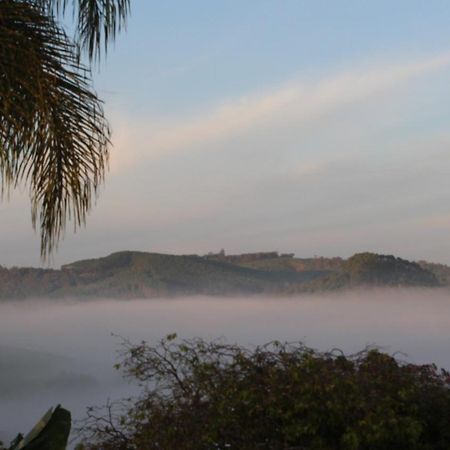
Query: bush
point(213, 395)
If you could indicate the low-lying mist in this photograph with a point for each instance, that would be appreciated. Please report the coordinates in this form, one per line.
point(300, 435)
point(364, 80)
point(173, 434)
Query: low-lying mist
point(64, 352)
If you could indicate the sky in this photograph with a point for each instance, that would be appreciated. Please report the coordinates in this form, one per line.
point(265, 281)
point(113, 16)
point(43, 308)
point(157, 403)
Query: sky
point(313, 127)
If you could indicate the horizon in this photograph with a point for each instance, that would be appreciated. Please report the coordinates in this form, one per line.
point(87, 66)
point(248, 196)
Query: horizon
point(219, 253)
point(311, 128)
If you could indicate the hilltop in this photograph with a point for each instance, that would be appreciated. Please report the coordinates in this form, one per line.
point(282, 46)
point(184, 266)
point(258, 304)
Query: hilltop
point(131, 274)
point(371, 269)
point(140, 274)
point(362, 269)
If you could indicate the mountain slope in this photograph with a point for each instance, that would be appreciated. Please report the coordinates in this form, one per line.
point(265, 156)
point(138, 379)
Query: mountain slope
point(151, 274)
point(371, 269)
point(132, 274)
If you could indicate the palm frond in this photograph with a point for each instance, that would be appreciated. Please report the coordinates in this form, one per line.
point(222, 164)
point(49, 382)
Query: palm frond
point(53, 133)
point(97, 22)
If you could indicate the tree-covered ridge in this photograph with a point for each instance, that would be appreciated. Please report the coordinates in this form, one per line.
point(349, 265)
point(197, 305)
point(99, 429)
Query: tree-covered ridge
point(132, 274)
point(371, 269)
point(139, 274)
point(441, 271)
point(386, 269)
point(274, 261)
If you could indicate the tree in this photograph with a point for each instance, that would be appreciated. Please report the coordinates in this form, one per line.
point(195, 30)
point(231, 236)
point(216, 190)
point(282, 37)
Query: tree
point(53, 133)
point(212, 395)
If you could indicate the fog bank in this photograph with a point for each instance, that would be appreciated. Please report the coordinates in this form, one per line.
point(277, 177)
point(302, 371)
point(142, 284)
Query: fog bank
point(63, 352)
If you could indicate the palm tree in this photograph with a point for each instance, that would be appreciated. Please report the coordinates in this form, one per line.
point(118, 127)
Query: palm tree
point(53, 133)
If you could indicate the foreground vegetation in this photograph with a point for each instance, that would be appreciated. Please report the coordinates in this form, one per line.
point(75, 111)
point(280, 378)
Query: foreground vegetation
point(213, 395)
point(51, 432)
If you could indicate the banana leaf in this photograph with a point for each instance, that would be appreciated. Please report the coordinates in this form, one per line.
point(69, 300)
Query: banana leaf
point(50, 433)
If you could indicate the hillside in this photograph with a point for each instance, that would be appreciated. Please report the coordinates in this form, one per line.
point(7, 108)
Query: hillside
point(137, 274)
point(440, 271)
point(132, 274)
point(371, 269)
point(23, 282)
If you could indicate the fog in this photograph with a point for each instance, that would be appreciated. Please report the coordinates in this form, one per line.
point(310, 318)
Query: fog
point(64, 352)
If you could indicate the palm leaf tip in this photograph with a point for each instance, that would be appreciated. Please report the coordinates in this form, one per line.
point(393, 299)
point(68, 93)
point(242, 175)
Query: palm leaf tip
point(53, 132)
point(97, 22)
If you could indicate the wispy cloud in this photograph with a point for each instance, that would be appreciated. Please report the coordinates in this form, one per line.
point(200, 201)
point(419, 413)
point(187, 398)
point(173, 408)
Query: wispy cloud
point(435, 221)
point(137, 141)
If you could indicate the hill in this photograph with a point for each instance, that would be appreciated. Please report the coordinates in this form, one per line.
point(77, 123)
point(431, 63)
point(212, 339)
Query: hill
point(139, 274)
point(440, 271)
point(371, 269)
point(361, 269)
point(131, 274)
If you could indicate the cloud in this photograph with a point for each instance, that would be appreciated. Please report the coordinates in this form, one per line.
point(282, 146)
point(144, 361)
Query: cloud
point(297, 102)
point(435, 221)
point(309, 168)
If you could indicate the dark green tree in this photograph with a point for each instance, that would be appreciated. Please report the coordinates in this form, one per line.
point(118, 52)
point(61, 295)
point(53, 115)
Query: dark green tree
point(53, 133)
point(212, 395)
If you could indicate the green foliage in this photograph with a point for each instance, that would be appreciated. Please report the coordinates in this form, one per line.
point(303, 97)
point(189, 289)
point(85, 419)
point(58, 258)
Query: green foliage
point(287, 263)
point(386, 269)
point(212, 395)
point(53, 133)
point(50, 433)
point(138, 274)
point(97, 22)
point(372, 269)
point(440, 271)
point(55, 434)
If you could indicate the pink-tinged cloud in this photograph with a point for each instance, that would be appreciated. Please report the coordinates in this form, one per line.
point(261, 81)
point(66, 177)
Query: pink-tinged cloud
point(139, 140)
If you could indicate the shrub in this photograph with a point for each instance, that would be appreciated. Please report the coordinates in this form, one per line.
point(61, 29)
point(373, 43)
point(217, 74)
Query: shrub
point(213, 395)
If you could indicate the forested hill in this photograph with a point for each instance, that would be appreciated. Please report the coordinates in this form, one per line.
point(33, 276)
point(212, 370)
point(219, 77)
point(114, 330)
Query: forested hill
point(132, 274)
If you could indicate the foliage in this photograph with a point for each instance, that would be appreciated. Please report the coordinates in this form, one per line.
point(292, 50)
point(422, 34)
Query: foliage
point(387, 269)
point(213, 395)
point(50, 433)
point(440, 271)
point(55, 434)
point(372, 269)
point(324, 265)
point(146, 275)
point(139, 274)
point(53, 133)
point(276, 262)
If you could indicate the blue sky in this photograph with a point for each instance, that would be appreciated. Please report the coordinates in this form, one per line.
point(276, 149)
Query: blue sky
point(316, 127)
point(182, 54)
